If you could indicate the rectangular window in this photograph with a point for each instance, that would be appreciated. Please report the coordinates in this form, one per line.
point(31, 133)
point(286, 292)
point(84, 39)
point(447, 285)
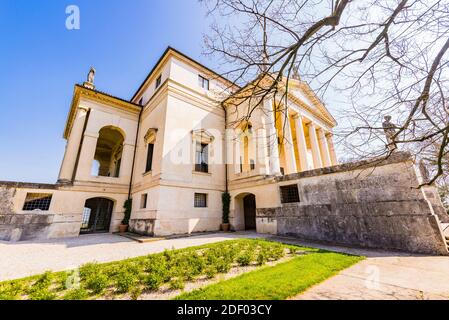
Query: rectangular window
point(150, 152)
point(203, 82)
point(290, 194)
point(37, 201)
point(158, 81)
point(202, 157)
point(252, 164)
point(143, 201)
point(200, 200)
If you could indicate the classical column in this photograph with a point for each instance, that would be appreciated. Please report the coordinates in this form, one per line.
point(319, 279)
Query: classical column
point(72, 146)
point(272, 138)
point(87, 156)
point(290, 159)
point(301, 141)
point(330, 143)
point(315, 147)
point(127, 162)
point(237, 152)
point(326, 157)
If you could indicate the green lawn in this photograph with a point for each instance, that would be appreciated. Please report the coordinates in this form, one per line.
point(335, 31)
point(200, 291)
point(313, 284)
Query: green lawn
point(278, 282)
point(130, 278)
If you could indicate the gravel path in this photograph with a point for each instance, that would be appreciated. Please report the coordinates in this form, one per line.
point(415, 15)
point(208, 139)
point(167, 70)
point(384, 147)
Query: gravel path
point(24, 259)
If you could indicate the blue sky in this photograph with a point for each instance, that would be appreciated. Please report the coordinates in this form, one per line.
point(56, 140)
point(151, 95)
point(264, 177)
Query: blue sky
point(40, 61)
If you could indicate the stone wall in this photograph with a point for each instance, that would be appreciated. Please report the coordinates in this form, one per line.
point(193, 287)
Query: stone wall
point(23, 227)
point(374, 205)
point(142, 226)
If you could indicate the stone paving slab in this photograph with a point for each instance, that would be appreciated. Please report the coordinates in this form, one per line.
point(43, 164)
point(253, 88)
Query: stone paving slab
point(383, 276)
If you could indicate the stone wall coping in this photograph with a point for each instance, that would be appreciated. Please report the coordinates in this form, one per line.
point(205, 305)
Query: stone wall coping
point(27, 185)
point(396, 157)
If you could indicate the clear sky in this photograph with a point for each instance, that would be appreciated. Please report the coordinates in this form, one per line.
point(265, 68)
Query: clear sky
point(40, 61)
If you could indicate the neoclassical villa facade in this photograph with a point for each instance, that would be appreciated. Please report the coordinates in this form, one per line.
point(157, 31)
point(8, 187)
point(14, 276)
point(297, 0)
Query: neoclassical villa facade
point(180, 143)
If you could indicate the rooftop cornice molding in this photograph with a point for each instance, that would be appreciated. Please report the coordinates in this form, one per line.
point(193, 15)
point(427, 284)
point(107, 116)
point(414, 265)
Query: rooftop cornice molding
point(171, 52)
point(317, 108)
point(96, 96)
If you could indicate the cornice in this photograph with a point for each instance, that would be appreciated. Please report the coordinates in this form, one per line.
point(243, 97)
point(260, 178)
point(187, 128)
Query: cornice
point(169, 53)
point(96, 96)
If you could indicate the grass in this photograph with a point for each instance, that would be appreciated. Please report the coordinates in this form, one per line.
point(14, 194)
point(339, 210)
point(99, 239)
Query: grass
point(278, 282)
point(130, 278)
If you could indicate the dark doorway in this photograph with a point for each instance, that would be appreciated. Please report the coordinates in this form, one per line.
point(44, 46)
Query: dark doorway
point(97, 215)
point(249, 209)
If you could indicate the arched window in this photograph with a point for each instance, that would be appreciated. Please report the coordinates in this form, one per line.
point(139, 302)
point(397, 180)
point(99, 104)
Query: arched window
point(108, 153)
point(247, 162)
point(150, 139)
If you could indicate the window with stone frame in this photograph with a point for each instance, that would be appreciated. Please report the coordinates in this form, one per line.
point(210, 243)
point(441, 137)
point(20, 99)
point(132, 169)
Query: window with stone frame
point(143, 201)
point(289, 194)
point(202, 148)
point(37, 201)
point(200, 200)
point(203, 82)
point(150, 140)
point(158, 81)
point(202, 157)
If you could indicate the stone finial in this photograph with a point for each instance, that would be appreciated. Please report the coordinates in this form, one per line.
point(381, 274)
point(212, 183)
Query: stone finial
point(90, 79)
point(390, 133)
point(295, 75)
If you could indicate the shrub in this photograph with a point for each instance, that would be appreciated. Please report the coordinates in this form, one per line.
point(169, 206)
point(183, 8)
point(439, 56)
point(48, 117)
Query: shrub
point(136, 293)
point(40, 290)
point(97, 283)
point(226, 199)
point(177, 284)
point(262, 258)
point(223, 265)
point(126, 280)
point(276, 252)
point(128, 209)
point(11, 290)
point(153, 281)
point(211, 271)
point(157, 265)
point(245, 259)
point(76, 294)
point(89, 269)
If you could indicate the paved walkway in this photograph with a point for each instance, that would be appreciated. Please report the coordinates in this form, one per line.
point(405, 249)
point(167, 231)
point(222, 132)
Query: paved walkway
point(383, 275)
point(24, 259)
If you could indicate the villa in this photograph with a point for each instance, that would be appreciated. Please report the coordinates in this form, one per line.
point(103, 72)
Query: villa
point(181, 142)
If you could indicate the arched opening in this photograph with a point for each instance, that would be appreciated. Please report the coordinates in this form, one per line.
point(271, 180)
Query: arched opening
point(108, 153)
point(247, 148)
point(249, 210)
point(244, 212)
point(97, 215)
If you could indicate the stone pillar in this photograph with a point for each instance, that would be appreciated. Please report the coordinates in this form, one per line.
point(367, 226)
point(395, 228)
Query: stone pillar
point(315, 147)
point(290, 159)
point(237, 152)
point(272, 138)
point(73, 142)
point(326, 157)
point(87, 156)
point(301, 141)
point(330, 143)
point(127, 162)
